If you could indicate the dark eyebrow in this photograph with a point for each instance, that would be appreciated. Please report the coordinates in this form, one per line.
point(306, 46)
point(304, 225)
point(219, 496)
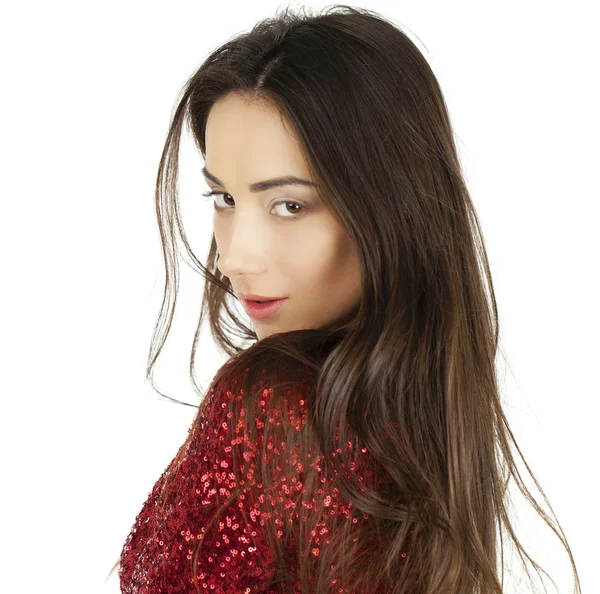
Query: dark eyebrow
point(276, 182)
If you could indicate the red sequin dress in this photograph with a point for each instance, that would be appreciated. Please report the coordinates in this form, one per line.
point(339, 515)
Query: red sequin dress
point(158, 552)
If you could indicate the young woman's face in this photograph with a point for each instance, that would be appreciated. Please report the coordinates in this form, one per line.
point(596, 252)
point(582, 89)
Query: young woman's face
point(277, 242)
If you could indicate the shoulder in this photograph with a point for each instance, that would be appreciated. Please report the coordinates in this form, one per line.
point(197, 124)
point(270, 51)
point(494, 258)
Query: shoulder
point(269, 388)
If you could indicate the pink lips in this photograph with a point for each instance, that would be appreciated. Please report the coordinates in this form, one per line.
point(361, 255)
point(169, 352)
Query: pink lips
point(260, 311)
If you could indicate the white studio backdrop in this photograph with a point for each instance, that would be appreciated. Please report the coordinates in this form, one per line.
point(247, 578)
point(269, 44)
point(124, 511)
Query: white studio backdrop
point(88, 91)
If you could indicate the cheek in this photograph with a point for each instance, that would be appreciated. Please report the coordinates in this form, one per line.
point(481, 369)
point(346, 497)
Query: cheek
point(329, 270)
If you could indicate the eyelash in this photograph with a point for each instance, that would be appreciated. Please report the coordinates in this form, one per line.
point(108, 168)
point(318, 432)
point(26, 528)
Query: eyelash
point(294, 216)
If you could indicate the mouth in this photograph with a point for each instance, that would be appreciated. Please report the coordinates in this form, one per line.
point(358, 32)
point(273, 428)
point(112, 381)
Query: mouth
point(261, 310)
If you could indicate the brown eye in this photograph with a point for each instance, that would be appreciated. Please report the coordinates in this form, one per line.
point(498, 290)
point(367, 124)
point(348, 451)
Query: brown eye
point(295, 212)
point(209, 194)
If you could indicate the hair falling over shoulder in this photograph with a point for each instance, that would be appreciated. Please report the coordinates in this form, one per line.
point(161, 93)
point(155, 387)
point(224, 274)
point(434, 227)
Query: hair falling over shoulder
point(411, 376)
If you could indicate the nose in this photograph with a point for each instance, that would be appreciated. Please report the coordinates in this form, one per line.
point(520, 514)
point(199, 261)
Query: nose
point(242, 250)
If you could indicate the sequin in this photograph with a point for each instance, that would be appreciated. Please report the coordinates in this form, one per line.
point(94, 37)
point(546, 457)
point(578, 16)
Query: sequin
point(235, 558)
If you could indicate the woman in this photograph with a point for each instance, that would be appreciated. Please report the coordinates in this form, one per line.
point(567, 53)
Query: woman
point(359, 443)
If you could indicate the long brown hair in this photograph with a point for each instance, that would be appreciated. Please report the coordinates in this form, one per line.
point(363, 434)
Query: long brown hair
point(411, 375)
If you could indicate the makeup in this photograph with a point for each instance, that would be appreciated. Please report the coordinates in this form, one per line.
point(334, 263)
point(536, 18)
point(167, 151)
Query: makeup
point(260, 311)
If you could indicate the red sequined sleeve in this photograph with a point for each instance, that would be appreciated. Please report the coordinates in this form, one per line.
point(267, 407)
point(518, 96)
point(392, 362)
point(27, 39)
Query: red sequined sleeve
point(159, 553)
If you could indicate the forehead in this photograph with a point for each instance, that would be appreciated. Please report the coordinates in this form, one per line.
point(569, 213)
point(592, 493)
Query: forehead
point(250, 139)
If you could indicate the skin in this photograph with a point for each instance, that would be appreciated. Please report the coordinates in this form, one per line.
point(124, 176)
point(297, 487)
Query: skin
point(295, 249)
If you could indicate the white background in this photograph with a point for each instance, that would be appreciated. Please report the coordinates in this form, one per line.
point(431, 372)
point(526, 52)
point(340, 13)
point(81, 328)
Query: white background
point(86, 100)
